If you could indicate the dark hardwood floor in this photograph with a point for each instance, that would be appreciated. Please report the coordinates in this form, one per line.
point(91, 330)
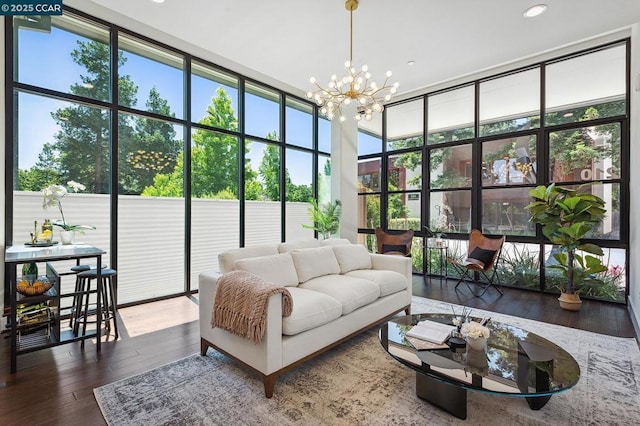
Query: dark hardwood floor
point(599, 317)
point(55, 386)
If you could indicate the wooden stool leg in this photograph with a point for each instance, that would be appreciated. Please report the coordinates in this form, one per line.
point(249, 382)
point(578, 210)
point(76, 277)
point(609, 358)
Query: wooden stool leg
point(113, 308)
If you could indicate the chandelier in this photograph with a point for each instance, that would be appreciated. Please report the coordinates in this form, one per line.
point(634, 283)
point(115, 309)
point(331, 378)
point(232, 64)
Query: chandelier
point(356, 86)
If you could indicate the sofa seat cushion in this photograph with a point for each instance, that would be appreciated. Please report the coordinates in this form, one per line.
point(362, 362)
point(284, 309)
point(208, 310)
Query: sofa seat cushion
point(311, 309)
point(351, 257)
point(389, 281)
point(277, 268)
point(314, 262)
point(351, 292)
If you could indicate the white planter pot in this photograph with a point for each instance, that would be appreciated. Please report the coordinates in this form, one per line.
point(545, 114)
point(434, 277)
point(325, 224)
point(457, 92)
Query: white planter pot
point(67, 237)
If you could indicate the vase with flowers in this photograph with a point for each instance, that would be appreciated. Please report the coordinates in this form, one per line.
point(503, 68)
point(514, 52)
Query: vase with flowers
point(52, 196)
point(475, 334)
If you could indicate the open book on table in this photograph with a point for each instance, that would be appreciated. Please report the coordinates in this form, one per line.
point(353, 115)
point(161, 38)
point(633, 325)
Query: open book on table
point(431, 331)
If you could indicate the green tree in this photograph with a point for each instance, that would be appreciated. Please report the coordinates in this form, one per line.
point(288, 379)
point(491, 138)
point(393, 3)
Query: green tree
point(269, 171)
point(214, 159)
point(152, 148)
point(83, 143)
point(43, 173)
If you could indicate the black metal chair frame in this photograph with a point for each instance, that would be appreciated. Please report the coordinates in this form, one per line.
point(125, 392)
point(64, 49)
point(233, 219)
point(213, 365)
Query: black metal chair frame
point(465, 272)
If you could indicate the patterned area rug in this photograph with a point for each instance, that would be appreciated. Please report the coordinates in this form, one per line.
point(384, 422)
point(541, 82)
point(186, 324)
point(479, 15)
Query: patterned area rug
point(358, 383)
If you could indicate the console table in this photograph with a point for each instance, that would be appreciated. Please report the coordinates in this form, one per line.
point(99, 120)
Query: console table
point(16, 255)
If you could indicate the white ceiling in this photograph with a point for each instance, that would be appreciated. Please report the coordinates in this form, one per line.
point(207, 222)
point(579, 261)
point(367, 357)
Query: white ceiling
point(291, 40)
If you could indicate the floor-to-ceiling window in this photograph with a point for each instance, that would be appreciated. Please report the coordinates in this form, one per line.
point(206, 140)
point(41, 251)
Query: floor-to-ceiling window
point(178, 158)
point(488, 142)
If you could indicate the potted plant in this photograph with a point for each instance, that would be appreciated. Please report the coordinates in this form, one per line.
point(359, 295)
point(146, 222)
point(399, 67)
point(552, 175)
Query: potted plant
point(326, 218)
point(567, 216)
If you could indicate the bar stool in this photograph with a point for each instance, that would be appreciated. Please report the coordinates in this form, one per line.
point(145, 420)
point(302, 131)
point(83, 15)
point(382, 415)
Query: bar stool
point(108, 300)
point(75, 270)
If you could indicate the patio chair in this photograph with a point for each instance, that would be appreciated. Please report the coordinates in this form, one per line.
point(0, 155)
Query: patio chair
point(397, 243)
point(482, 256)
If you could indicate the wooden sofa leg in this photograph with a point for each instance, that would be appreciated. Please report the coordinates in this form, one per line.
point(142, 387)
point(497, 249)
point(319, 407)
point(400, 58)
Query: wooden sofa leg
point(407, 310)
point(203, 347)
point(269, 385)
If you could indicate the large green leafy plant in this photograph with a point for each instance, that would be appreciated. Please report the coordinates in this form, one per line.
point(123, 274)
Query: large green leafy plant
point(326, 218)
point(567, 216)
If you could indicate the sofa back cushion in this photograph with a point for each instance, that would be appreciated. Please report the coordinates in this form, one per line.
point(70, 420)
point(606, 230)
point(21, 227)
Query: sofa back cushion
point(276, 268)
point(300, 244)
point(335, 242)
point(227, 259)
point(314, 262)
point(352, 257)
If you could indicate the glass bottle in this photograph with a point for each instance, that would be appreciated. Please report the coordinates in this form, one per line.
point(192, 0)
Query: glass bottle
point(30, 271)
point(47, 230)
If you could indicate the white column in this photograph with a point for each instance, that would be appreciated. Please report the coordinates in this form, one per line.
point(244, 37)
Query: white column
point(344, 174)
point(634, 231)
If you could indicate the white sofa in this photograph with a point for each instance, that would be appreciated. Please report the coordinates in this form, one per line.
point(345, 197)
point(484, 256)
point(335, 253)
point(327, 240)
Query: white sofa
point(338, 291)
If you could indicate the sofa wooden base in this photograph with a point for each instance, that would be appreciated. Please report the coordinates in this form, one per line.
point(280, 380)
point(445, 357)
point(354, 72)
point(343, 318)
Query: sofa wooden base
point(269, 380)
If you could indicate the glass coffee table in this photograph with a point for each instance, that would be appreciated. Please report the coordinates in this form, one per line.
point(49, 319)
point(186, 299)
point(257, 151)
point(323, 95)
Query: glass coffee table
point(515, 363)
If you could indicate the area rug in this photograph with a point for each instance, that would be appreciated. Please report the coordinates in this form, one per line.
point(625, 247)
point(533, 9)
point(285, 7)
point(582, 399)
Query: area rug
point(358, 383)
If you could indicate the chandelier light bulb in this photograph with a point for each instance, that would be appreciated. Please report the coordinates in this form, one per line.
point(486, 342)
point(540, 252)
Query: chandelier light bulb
point(387, 98)
point(347, 101)
point(347, 64)
point(389, 74)
point(377, 107)
point(367, 76)
point(309, 95)
point(312, 80)
point(342, 118)
point(365, 68)
point(334, 77)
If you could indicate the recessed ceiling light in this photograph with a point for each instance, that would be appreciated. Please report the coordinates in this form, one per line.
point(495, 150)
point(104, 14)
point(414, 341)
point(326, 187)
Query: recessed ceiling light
point(411, 63)
point(158, 1)
point(535, 10)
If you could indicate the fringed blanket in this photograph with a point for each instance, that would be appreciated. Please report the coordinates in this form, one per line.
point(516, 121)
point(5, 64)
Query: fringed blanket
point(240, 304)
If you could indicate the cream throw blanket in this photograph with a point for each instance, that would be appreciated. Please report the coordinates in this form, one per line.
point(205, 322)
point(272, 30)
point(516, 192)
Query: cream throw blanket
point(240, 304)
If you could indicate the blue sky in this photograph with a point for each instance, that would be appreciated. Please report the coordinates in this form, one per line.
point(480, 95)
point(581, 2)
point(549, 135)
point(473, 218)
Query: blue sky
point(45, 61)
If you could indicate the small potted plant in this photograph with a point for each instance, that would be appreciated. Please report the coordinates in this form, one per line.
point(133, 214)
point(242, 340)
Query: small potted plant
point(567, 216)
point(326, 218)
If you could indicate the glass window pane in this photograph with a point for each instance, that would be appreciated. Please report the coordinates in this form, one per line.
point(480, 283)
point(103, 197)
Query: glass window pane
point(586, 87)
point(405, 171)
point(144, 238)
point(585, 154)
point(70, 142)
point(509, 161)
point(149, 157)
point(368, 211)
point(405, 125)
point(452, 208)
point(214, 165)
point(158, 75)
point(324, 179)
point(404, 211)
point(510, 103)
point(324, 135)
point(369, 143)
point(450, 167)
point(262, 112)
point(451, 115)
point(262, 192)
point(503, 211)
point(215, 209)
point(369, 172)
point(214, 97)
point(299, 124)
point(519, 265)
point(76, 52)
point(299, 180)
